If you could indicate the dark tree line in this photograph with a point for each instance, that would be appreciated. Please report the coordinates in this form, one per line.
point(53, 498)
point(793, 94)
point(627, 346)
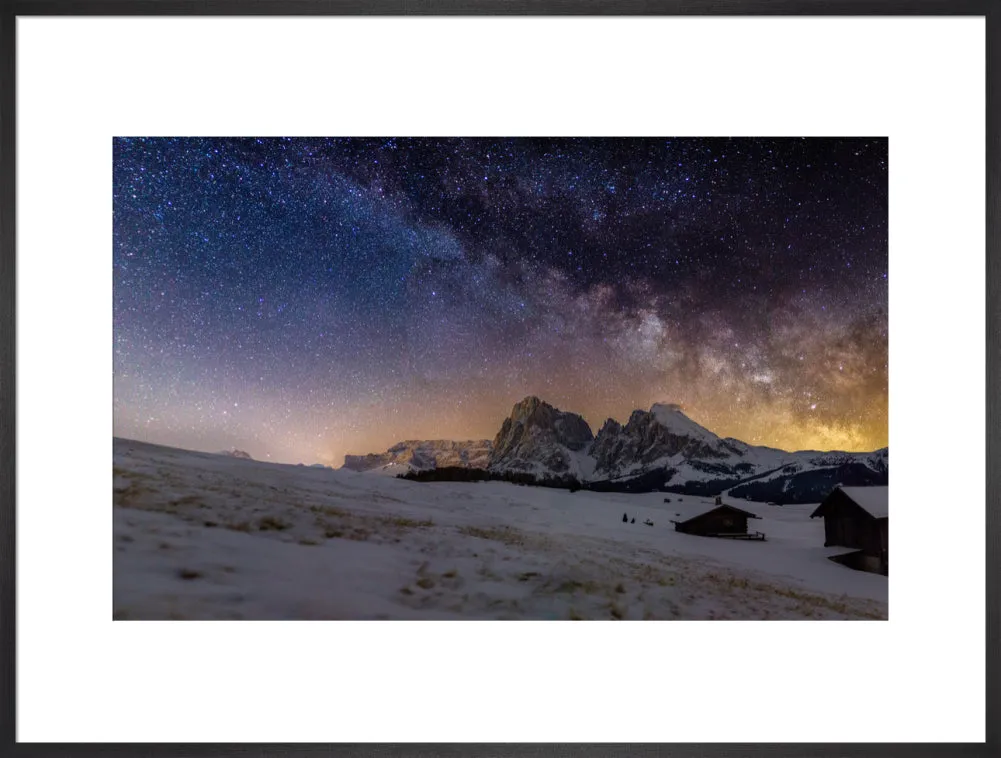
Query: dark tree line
point(810, 486)
point(803, 487)
point(460, 474)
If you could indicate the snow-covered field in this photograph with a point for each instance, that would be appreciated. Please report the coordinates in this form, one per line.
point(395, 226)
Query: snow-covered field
point(201, 536)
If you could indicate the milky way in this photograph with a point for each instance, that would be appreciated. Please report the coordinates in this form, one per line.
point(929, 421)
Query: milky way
point(305, 298)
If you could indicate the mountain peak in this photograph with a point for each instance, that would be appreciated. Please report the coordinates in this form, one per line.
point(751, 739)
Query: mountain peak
point(671, 416)
point(536, 412)
point(527, 405)
point(666, 408)
point(536, 433)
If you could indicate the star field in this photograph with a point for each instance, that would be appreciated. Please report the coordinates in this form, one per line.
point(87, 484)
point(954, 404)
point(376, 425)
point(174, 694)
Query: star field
point(305, 298)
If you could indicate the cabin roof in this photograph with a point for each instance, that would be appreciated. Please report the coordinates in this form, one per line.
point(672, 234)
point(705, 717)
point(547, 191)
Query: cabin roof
point(710, 508)
point(873, 500)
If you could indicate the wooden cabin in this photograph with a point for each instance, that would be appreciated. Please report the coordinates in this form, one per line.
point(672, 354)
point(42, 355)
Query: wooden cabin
point(858, 517)
point(720, 521)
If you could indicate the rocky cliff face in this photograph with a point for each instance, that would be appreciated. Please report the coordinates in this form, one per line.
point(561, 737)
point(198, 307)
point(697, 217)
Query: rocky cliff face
point(610, 447)
point(538, 438)
point(421, 455)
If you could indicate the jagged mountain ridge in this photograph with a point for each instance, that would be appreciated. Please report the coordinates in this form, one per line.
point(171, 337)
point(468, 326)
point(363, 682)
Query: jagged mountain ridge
point(663, 449)
point(421, 455)
point(540, 439)
point(656, 450)
point(661, 433)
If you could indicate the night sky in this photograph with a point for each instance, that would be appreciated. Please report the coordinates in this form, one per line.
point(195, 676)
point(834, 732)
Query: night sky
point(305, 298)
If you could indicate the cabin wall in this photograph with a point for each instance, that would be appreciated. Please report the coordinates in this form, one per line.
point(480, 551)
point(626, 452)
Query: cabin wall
point(717, 523)
point(860, 532)
point(883, 525)
point(844, 530)
point(739, 525)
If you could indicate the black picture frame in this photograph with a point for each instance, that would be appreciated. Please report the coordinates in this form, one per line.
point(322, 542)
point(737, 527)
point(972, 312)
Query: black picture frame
point(8, 15)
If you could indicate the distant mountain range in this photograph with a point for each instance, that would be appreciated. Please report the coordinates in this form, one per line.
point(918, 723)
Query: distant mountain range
point(234, 453)
point(421, 455)
point(656, 450)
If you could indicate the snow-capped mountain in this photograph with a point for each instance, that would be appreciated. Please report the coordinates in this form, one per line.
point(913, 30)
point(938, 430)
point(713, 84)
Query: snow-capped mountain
point(422, 455)
point(656, 450)
point(664, 449)
point(540, 439)
point(653, 439)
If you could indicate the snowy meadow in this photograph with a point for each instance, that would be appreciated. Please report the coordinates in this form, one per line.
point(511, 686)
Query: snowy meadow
point(203, 536)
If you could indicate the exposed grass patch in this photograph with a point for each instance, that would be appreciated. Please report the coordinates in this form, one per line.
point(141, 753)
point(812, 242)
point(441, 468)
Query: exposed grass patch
point(574, 616)
point(271, 523)
point(362, 527)
point(327, 510)
point(119, 471)
point(620, 588)
point(807, 604)
point(504, 534)
point(425, 582)
point(407, 523)
point(571, 586)
point(617, 613)
point(127, 496)
point(730, 581)
point(646, 573)
point(240, 526)
point(189, 574)
point(451, 573)
point(307, 541)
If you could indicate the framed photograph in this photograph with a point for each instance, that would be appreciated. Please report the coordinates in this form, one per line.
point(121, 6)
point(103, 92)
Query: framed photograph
point(353, 352)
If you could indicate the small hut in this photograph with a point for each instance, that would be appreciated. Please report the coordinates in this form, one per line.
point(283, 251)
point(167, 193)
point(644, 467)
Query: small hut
point(720, 521)
point(858, 517)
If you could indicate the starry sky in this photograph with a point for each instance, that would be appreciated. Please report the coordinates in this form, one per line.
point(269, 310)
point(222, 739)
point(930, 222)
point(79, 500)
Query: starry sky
point(301, 299)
